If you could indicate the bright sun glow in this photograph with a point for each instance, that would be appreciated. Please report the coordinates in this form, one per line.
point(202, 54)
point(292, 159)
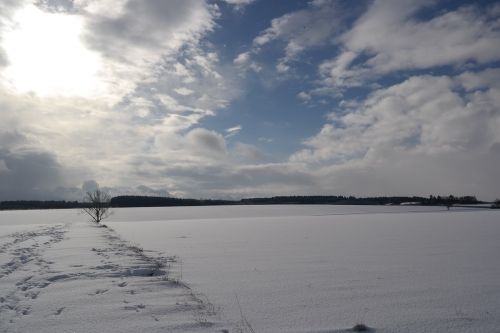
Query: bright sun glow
point(47, 57)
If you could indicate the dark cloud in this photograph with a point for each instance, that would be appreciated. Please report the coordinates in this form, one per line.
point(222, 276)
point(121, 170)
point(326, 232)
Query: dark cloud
point(12, 138)
point(28, 175)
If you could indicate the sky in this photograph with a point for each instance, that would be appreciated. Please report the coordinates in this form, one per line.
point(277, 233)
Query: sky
point(248, 98)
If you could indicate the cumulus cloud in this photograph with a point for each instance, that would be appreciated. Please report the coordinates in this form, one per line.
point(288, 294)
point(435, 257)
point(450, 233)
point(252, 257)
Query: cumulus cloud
point(390, 37)
point(422, 132)
point(163, 82)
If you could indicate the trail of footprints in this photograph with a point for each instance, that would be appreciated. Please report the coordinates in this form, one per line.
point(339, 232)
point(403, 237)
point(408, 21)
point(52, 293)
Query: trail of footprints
point(24, 250)
point(117, 259)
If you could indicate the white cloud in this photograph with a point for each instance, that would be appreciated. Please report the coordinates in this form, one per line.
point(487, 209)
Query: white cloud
point(282, 67)
point(389, 37)
point(233, 130)
point(135, 36)
point(172, 105)
point(239, 2)
point(250, 153)
point(317, 25)
point(242, 58)
point(183, 91)
point(163, 82)
point(244, 61)
point(301, 30)
point(239, 5)
point(304, 96)
point(420, 126)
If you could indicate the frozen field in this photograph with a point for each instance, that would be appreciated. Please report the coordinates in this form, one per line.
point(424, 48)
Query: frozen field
point(303, 268)
point(314, 269)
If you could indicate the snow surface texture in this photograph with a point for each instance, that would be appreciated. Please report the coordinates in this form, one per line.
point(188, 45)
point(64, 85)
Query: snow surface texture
point(327, 268)
point(313, 269)
point(79, 277)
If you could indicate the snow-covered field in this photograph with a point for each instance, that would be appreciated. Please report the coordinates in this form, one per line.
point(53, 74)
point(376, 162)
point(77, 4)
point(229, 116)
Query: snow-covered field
point(69, 275)
point(292, 268)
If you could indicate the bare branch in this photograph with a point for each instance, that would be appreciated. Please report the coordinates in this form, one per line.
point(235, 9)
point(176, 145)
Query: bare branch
point(97, 205)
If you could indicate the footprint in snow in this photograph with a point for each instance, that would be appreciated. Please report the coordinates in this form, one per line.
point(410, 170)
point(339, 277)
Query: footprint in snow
point(59, 311)
point(32, 294)
point(43, 284)
point(99, 291)
point(137, 308)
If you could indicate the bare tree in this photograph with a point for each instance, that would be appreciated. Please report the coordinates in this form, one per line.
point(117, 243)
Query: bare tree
point(97, 204)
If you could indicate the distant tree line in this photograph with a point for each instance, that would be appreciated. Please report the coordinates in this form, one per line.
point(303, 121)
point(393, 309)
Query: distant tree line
point(351, 200)
point(34, 204)
point(147, 201)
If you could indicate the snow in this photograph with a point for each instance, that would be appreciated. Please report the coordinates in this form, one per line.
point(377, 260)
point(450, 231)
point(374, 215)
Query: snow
point(326, 268)
point(78, 277)
point(290, 268)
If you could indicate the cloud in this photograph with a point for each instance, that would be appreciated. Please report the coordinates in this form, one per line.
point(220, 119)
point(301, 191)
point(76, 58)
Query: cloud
point(304, 96)
point(183, 91)
point(134, 37)
point(243, 61)
point(467, 34)
point(145, 28)
point(250, 153)
point(164, 82)
point(233, 130)
point(206, 142)
point(426, 134)
point(242, 58)
point(239, 4)
point(28, 174)
point(315, 26)
point(419, 127)
point(7, 9)
point(237, 181)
